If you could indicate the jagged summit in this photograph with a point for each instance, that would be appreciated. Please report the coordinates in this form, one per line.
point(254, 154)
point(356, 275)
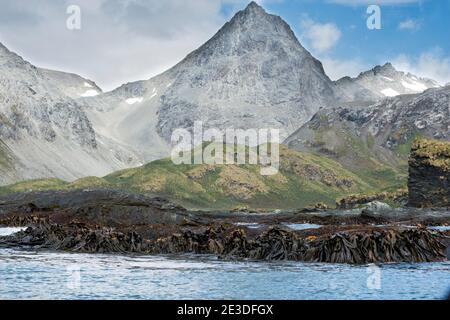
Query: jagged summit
point(382, 81)
point(386, 68)
point(254, 8)
point(250, 30)
point(254, 12)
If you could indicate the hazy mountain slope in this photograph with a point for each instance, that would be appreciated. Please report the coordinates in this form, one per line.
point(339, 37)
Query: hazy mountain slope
point(7, 164)
point(252, 74)
point(379, 136)
point(304, 179)
point(47, 132)
point(380, 82)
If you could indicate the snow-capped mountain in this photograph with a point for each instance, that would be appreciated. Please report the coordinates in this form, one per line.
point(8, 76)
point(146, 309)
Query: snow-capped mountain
point(253, 73)
point(380, 82)
point(44, 132)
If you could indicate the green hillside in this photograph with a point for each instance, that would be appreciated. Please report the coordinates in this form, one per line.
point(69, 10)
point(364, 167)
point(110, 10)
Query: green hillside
point(304, 179)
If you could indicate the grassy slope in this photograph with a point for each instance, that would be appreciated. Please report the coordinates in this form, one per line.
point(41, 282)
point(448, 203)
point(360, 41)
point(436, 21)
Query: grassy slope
point(304, 179)
point(361, 155)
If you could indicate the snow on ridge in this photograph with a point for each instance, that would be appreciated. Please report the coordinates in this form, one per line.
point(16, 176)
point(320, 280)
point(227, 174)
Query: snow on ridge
point(90, 93)
point(414, 86)
point(134, 100)
point(154, 93)
point(389, 92)
point(87, 85)
point(387, 78)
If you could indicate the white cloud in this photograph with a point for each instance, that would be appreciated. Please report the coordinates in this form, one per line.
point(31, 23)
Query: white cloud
point(431, 64)
point(321, 37)
point(409, 24)
point(336, 68)
point(119, 41)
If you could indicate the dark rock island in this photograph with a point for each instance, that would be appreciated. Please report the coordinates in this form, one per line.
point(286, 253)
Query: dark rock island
point(429, 174)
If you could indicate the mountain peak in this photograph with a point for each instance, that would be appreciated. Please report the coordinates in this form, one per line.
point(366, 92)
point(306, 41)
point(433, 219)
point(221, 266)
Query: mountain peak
point(254, 62)
point(386, 68)
point(251, 31)
point(383, 81)
point(253, 7)
point(257, 23)
point(253, 13)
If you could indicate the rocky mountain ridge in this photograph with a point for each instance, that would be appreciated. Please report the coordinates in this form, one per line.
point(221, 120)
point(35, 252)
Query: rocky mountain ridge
point(379, 134)
point(44, 129)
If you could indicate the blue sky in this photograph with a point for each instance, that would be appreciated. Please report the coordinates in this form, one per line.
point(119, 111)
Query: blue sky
point(411, 29)
point(128, 40)
point(414, 35)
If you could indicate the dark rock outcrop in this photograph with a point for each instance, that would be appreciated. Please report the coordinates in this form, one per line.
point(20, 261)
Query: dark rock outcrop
point(110, 208)
point(353, 201)
point(429, 174)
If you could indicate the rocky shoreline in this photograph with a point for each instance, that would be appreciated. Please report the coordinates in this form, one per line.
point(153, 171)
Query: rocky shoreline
point(106, 221)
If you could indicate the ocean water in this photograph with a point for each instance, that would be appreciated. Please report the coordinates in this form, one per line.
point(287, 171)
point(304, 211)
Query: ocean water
point(303, 226)
point(29, 274)
point(9, 231)
point(292, 226)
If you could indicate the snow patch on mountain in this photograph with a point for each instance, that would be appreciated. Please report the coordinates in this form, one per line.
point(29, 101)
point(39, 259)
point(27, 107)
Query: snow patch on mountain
point(90, 93)
point(134, 100)
point(382, 81)
point(389, 92)
point(414, 86)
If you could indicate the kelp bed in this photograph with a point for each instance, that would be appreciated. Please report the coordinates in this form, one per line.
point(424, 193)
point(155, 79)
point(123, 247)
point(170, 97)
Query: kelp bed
point(359, 246)
point(105, 221)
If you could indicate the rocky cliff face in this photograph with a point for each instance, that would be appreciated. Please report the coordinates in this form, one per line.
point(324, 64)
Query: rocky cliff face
point(379, 134)
point(429, 174)
point(253, 73)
